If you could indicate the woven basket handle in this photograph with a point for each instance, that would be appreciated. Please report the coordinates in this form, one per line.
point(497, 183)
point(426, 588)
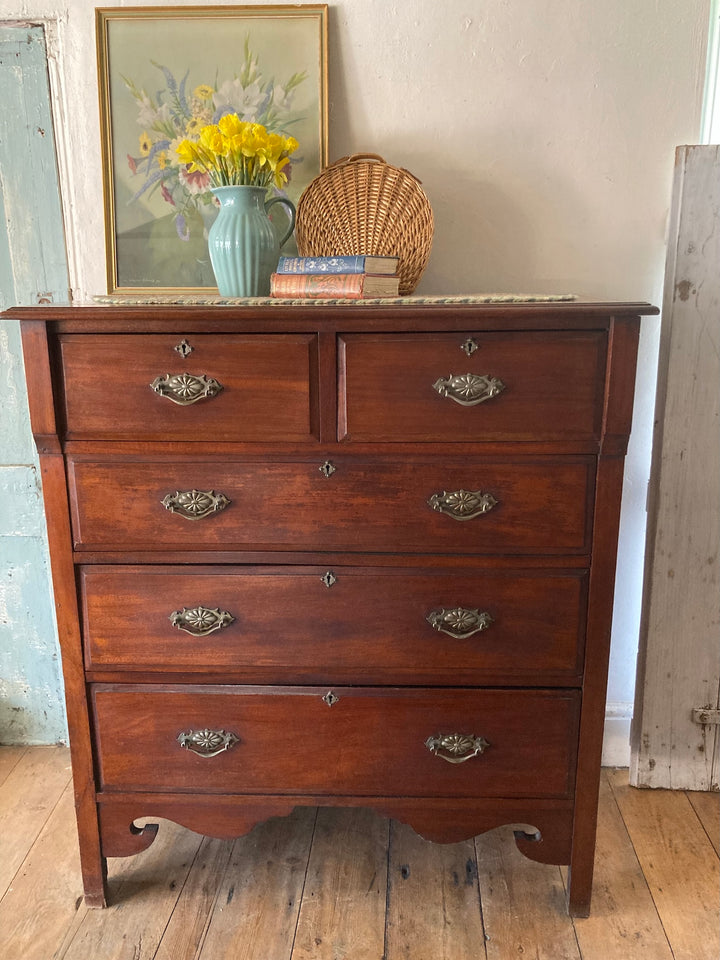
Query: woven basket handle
point(354, 157)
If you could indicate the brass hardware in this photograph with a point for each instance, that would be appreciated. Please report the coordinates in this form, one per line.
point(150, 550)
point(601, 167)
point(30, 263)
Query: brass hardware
point(469, 347)
point(462, 504)
point(330, 698)
point(195, 504)
point(186, 388)
point(183, 348)
point(329, 578)
point(469, 389)
point(327, 469)
point(456, 747)
point(459, 622)
point(207, 743)
point(200, 621)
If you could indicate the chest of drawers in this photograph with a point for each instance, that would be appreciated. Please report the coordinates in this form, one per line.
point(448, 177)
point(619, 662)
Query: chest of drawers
point(349, 554)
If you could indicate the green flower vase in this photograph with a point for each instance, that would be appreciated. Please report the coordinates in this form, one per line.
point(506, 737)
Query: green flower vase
point(243, 243)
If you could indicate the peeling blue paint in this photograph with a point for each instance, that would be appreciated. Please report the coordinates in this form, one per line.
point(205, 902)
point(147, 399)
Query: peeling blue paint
point(32, 264)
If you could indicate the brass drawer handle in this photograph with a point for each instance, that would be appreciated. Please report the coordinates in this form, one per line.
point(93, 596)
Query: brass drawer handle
point(456, 747)
point(459, 623)
point(195, 504)
point(185, 388)
point(462, 504)
point(200, 621)
point(207, 743)
point(469, 389)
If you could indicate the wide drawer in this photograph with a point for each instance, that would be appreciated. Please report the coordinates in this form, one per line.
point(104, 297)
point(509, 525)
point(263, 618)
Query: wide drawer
point(359, 741)
point(233, 387)
point(435, 506)
point(519, 386)
point(354, 625)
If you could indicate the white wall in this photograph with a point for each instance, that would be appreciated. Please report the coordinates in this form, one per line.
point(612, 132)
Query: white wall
point(544, 133)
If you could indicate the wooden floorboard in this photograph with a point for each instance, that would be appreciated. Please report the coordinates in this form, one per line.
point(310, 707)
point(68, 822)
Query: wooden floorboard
point(707, 807)
point(623, 920)
point(680, 865)
point(27, 798)
point(338, 884)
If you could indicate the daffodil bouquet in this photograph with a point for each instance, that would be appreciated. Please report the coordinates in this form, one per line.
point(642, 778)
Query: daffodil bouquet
point(235, 152)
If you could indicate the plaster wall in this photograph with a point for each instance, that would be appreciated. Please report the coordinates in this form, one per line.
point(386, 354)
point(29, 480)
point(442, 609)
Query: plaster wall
point(544, 135)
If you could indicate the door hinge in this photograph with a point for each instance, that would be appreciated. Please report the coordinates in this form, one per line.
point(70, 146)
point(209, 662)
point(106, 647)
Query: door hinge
point(706, 715)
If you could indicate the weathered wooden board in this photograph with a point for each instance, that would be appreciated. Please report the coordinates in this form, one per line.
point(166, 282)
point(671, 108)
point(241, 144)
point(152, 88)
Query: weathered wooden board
point(257, 906)
point(623, 916)
point(679, 863)
point(342, 916)
point(433, 900)
point(27, 798)
point(523, 903)
point(679, 663)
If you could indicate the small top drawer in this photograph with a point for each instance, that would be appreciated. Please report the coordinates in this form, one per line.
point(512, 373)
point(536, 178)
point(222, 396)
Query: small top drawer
point(199, 387)
point(466, 387)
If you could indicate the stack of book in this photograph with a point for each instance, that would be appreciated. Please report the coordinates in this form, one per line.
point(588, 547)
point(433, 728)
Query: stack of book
point(341, 277)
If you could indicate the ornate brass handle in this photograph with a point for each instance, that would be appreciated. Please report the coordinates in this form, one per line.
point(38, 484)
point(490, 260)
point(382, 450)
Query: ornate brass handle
point(469, 389)
point(207, 743)
point(459, 622)
point(462, 504)
point(456, 747)
point(186, 388)
point(200, 621)
point(195, 504)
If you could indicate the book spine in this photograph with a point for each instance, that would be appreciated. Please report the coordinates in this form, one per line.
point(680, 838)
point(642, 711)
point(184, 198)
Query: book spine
point(319, 265)
point(339, 285)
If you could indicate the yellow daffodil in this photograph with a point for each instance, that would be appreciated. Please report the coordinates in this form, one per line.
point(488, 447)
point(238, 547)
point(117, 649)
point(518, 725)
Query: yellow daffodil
point(234, 151)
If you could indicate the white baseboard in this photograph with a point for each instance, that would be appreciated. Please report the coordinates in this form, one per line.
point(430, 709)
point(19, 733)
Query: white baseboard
point(616, 738)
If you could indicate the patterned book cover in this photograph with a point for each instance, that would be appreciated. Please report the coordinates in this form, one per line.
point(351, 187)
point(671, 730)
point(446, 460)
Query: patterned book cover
point(351, 286)
point(340, 264)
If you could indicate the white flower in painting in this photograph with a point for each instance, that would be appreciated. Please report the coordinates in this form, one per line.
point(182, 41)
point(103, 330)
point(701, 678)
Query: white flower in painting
point(282, 98)
point(245, 101)
point(149, 116)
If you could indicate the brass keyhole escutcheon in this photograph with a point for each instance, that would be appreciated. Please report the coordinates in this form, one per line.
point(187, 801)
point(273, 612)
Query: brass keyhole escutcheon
point(183, 348)
point(327, 469)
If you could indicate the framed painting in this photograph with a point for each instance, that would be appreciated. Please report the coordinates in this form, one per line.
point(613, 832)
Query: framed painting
point(163, 74)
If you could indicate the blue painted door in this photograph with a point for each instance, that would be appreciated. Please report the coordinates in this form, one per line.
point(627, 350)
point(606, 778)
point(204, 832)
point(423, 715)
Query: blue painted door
point(33, 268)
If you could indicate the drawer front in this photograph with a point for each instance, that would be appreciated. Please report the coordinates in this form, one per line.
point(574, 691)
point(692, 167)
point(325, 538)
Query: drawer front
point(464, 506)
point(514, 386)
point(352, 625)
point(368, 742)
point(252, 388)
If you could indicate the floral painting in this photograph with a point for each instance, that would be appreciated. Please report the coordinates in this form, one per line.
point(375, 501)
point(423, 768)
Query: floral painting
point(166, 74)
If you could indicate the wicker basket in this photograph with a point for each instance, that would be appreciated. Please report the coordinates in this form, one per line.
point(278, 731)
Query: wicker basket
point(362, 205)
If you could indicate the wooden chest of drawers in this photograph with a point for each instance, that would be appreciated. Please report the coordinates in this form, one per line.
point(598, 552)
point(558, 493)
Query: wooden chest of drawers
point(358, 554)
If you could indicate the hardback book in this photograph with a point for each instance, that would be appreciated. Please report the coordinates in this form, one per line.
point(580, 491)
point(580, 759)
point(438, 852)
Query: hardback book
point(339, 264)
point(351, 286)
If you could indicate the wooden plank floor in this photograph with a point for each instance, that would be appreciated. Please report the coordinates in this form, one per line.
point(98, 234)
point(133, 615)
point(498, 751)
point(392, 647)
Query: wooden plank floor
point(334, 884)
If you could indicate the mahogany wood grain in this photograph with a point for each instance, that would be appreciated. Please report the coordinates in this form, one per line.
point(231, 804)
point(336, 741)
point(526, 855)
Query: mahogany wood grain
point(266, 387)
point(376, 505)
point(552, 386)
point(372, 740)
point(536, 628)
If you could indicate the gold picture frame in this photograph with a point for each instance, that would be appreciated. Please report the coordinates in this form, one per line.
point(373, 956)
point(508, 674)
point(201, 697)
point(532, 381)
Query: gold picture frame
point(163, 72)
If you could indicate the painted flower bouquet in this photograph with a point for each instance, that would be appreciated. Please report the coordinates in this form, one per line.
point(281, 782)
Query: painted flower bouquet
point(235, 152)
point(177, 113)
